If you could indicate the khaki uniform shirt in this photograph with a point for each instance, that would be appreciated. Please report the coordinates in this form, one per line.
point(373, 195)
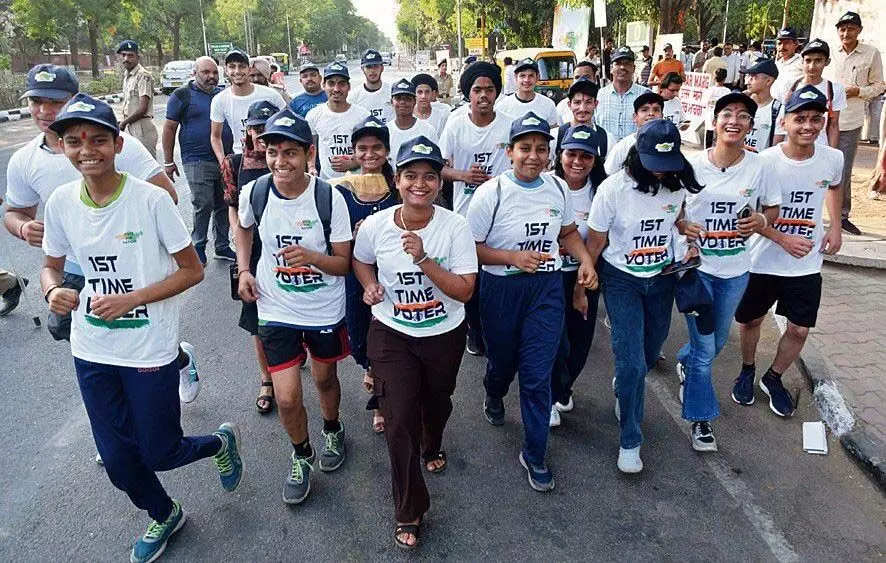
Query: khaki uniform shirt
point(137, 83)
point(444, 86)
point(862, 68)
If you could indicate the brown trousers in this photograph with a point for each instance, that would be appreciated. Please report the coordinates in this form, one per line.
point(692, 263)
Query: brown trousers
point(414, 382)
point(145, 131)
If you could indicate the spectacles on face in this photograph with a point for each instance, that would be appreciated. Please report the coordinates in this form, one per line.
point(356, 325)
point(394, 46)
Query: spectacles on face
point(741, 117)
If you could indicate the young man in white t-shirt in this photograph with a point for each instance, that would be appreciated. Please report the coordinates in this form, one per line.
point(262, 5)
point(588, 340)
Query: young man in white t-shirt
point(332, 123)
point(759, 79)
point(647, 107)
point(526, 99)
point(137, 257)
point(232, 104)
point(374, 95)
point(404, 126)
point(426, 108)
point(670, 92)
point(299, 288)
point(582, 69)
point(786, 260)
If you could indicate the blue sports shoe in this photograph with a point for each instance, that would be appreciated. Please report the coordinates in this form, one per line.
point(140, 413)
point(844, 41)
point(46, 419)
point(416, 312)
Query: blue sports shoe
point(201, 254)
point(780, 400)
point(150, 546)
point(227, 461)
point(540, 478)
point(743, 390)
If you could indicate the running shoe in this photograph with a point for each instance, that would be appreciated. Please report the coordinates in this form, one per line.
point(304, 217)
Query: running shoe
point(333, 453)
point(629, 460)
point(99, 460)
point(743, 390)
point(151, 545)
point(681, 373)
point(555, 417)
point(540, 478)
point(201, 254)
point(475, 346)
point(703, 437)
point(570, 404)
point(189, 380)
point(494, 411)
point(298, 482)
point(779, 399)
point(227, 460)
point(226, 254)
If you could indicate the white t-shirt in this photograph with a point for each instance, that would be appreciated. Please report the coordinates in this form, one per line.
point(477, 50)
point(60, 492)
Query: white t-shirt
point(34, 172)
point(640, 226)
point(302, 297)
point(528, 218)
point(438, 118)
point(615, 158)
point(400, 136)
point(709, 99)
point(413, 304)
point(125, 246)
point(230, 108)
point(758, 138)
point(516, 108)
point(564, 114)
point(789, 71)
point(723, 251)
point(673, 110)
point(803, 186)
point(838, 103)
point(581, 206)
point(464, 144)
point(378, 103)
point(510, 85)
point(333, 132)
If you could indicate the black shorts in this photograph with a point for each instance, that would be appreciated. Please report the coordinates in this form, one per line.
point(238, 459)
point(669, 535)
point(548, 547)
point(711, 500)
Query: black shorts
point(286, 346)
point(249, 318)
point(798, 298)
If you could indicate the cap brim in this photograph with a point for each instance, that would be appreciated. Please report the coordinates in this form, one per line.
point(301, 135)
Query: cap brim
point(50, 93)
point(60, 125)
point(307, 68)
point(252, 122)
point(395, 94)
point(580, 147)
point(736, 98)
point(237, 57)
point(435, 164)
point(331, 74)
point(371, 63)
point(662, 163)
point(286, 135)
point(532, 132)
point(521, 68)
point(823, 108)
point(623, 58)
point(379, 132)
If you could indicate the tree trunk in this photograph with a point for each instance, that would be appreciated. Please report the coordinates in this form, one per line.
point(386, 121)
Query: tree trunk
point(75, 52)
point(158, 43)
point(92, 27)
point(784, 19)
point(176, 37)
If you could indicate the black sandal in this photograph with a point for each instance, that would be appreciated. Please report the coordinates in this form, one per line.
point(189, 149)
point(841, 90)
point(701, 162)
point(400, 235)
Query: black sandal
point(439, 456)
point(268, 398)
point(412, 529)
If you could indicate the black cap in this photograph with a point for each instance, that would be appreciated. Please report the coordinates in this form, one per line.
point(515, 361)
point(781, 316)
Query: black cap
point(763, 66)
point(50, 81)
point(336, 69)
point(694, 298)
point(289, 125)
point(441, 61)
point(308, 66)
point(402, 87)
point(127, 45)
point(816, 46)
point(658, 143)
point(736, 98)
point(648, 98)
point(372, 126)
point(849, 17)
point(83, 107)
point(259, 112)
point(807, 97)
point(370, 57)
point(583, 85)
point(237, 55)
point(529, 123)
point(787, 33)
point(420, 149)
point(526, 64)
point(581, 137)
point(624, 52)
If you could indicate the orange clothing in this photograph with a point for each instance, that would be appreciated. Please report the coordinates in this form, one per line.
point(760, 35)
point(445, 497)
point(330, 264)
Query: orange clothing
point(663, 67)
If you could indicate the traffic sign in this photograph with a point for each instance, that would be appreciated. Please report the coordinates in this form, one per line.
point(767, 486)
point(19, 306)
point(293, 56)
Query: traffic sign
point(220, 48)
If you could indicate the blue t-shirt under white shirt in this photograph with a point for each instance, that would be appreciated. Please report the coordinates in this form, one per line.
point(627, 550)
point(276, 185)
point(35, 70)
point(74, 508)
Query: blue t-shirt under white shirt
point(304, 102)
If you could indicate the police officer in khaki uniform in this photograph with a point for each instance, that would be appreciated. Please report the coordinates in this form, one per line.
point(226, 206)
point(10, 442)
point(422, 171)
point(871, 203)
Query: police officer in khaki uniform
point(138, 97)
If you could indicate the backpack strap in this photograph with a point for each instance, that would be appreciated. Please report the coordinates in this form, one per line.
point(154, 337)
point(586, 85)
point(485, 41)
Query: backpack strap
point(183, 94)
point(258, 198)
point(496, 206)
point(561, 186)
point(561, 134)
point(602, 141)
point(323, 201)
point(776, 108)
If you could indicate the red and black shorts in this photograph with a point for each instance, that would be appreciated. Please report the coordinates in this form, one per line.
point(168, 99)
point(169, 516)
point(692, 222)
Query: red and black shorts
point(286, 346)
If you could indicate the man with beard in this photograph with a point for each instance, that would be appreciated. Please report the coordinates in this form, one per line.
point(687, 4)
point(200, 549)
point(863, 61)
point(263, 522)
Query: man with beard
point(188, 107)
point(615, 102)
point(138, 97)
point(309, 76)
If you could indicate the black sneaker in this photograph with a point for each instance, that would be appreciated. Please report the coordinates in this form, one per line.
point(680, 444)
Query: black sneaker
point(475, 346)
point(743, 390)
point(847, 226)
point(703, 437)
point(10, 299)
point(780, 400)
point(540, 478)
point(494, 411)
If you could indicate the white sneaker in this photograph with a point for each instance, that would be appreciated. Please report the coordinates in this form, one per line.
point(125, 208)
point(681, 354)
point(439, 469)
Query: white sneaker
point(565, 408)
point(703, 437)
point(189, 381)
point(629, 460)
point(681, 372)
point(555, 417)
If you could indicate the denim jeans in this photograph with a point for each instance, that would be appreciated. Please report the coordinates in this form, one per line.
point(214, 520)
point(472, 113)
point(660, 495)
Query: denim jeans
point(207, 197)
point(697, 356)
point(640, 314)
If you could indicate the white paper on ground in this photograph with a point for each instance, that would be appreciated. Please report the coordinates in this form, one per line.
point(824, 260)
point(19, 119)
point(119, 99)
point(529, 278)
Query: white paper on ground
point(815, 439)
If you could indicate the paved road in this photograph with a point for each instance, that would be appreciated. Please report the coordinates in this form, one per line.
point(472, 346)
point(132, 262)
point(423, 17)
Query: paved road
point(760, 498)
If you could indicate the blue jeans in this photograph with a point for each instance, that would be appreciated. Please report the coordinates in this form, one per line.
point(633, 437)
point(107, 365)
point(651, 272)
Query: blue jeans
point(640, 314)
point(697, 356)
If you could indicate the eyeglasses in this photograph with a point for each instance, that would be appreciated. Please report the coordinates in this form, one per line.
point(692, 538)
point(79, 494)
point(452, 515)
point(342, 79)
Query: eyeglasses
point(741, 117)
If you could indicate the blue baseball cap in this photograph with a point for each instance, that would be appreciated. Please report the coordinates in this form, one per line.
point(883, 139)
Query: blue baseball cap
point(658, 142)
point(50, 81)
point(807, 97)
point(83, 107)
point(787, 33)
point(289, 125)
point(370, 58)
point(403, 87)
point(127, 45)
point(581, 137)
point(237, 55)
point(420, 149)
point(763, 66)
point(336, 69)
point(372, 126)
point(526, 64)
point(623, 52)
point(736, 97)
point(529, 123)
point(583, 85)
point(260, 112)
point(816, 46)
point(308, 66)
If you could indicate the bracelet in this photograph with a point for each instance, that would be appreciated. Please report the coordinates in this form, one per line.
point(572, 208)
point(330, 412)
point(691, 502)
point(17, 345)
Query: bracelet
point(50, 290)
point(167, 164)
point(765, 221)
point(422, 259)
point(21, 229)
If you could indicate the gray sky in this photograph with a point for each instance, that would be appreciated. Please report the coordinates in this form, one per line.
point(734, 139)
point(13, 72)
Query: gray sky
point(382, 12)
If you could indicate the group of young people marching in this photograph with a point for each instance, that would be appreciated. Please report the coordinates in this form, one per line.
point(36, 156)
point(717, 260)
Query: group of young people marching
point(359, 257)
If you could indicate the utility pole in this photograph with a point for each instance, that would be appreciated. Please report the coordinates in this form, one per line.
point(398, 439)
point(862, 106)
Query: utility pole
point(458, 23)
point(725, 21)
point(289, 41)
point(203, 25)
point(246, 31)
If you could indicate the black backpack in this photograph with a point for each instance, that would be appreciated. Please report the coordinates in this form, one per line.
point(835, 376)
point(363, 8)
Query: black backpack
point(258, 200)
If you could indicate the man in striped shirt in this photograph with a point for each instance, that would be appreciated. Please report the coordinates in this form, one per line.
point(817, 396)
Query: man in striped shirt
point(615, 102)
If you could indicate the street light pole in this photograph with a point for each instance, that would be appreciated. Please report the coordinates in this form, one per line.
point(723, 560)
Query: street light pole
point(289, 40)
point(725, 21)
point(458, 23)
point(203, 25)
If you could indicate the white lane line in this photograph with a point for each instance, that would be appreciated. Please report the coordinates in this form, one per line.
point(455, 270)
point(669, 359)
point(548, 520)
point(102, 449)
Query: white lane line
point(737, 489)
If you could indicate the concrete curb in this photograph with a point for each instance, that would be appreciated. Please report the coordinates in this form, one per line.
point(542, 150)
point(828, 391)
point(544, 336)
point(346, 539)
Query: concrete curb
point(868, 451)
point(19, 113)
point(858, 261)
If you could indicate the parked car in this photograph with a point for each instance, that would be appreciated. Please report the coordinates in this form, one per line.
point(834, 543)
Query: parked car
point(341, 58)
point(385, 58)
point(175, 74)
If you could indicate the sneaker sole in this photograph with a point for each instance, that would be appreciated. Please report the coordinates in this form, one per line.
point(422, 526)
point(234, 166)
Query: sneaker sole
point(536, 487)
point(225, 258)
point(491, 420)
point(160, 551)
point(328, 469)
point(192, 353)
point(771, 405)
point(741, 403)
point(298, 500)
point(236, 431)
point(631, 470)
point(563, 408)
point(704, 447)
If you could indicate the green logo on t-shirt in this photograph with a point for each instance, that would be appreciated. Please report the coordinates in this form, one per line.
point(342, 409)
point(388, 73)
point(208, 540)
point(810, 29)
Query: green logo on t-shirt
point(129, 237)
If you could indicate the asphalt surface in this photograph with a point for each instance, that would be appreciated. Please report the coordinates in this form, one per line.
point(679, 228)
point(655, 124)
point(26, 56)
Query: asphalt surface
point(760, 498)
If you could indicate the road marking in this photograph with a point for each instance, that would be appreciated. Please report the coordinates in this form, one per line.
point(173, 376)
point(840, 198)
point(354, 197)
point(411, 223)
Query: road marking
point(737, 489)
